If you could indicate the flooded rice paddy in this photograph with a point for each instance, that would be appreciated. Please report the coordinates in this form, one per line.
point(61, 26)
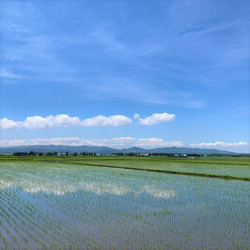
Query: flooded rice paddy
point(63, 206)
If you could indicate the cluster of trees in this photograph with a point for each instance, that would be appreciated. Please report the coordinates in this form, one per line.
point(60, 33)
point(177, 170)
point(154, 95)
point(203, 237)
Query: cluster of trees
point(31, 153)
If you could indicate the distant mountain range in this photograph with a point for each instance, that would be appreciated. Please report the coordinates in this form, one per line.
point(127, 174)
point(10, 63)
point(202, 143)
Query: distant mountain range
point(107, 150)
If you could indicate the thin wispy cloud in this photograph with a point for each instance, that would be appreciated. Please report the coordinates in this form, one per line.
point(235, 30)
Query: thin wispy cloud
point(124, 88)
point(4, 73)
point(46, 46)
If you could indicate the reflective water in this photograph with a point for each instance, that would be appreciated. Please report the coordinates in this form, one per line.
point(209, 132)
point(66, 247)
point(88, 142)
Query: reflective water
point(57, 205)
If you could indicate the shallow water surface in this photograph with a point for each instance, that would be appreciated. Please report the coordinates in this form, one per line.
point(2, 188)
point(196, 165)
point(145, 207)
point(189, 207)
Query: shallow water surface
point(68, 206)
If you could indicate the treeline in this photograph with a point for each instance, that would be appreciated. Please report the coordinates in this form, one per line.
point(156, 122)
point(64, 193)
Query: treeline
point(31, 153)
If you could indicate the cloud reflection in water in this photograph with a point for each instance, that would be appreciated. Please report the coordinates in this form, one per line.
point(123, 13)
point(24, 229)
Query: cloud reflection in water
point(62, 187)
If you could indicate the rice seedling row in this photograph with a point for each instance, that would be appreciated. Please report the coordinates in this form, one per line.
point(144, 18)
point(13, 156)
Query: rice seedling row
point(55, 205)
point(229, 168)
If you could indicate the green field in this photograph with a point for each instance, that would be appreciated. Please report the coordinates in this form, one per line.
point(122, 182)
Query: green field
point(215, 167)
point(229, 168)
point(106, 203)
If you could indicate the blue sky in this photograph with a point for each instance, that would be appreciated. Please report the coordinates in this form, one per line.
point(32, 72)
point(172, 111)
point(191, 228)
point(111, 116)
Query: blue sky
point(125, 73)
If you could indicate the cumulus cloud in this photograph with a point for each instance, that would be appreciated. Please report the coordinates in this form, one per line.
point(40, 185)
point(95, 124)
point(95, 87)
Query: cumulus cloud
point(38, 122)
point(240, 147)
point(155, 118)
point(8, 124)
point(219, 143)
point(100, 120)
point(63, 120)
point(122, 142)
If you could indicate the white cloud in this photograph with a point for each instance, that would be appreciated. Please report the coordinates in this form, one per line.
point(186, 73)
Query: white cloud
point(71, 141)
point(240, 147)
point(126, 142)
point(155, 118)
point(7, 74)
point(219, 143)
point(38, 122)
point(122, 142)
point(8, 124)
point(63, 120)
point(100, 120)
